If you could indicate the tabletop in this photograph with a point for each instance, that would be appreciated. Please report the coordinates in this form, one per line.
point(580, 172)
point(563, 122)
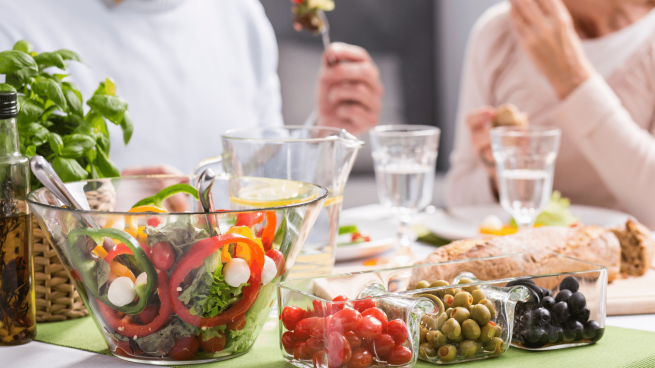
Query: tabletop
point(35, 354)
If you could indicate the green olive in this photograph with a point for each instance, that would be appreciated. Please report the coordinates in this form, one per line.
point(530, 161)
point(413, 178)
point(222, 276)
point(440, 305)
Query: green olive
point(434, 299)
point(447, 353)
point(499, 331)
point(490, 305)
point(460, 314)
point(463, 299)
point(487, 332)
point(429, 322)
point(457, 340)
point(451, 329)
point(477, 296)
point(471, 329)
point(495, 345)
point(453, 291)
point(443, 317)
point(448, 311)
point(424, 332)
point(422, 285)
point(467, 349)
point(439, 283)
point(480, 314)
point(466, 280)
point(448, 301)
point(436, 338)
point(427, 351)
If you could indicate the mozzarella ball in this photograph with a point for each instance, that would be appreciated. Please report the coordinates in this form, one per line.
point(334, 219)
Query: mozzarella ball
point(121, 291)
point(492, 222)
point(236, 272)
point(141, 279)
point(270, 270)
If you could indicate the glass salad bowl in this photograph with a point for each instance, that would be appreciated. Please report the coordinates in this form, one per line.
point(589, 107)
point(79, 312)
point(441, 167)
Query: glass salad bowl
point(186, 286)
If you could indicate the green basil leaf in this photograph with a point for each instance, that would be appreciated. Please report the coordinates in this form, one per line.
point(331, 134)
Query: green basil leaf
point(103, 142)
point(101, 90)
point(60, 76)
point(102, 273)
point(12, 61)
point(30, 151)
point(47, 88)
point(48, 59)
point(74, 99)
point(85, 128)
point(36, 132)
point(69, 85)
point(75, 143)
point(97, 122)
point(127, 127)
point(56, 143)
point(91, 155)
point(94, 172)
point(14, 80)
point(111, 107)
point(24, 46)
point(110, 87)
point(7, 87)
point(69, 55)
point(106, 167)
point(69, 169)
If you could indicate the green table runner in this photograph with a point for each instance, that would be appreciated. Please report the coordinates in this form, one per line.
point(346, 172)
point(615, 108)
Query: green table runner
point(620, 347)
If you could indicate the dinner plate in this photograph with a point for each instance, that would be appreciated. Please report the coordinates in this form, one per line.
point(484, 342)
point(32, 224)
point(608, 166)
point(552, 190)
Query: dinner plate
point(382, 233)
point(463, 222)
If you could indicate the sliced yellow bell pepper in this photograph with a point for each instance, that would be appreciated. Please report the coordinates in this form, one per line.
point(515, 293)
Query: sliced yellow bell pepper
point(100, 251)
point(154, 209)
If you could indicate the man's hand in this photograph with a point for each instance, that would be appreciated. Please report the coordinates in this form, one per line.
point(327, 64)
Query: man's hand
point(176, 203)
point(349, 91)
point(546, 32)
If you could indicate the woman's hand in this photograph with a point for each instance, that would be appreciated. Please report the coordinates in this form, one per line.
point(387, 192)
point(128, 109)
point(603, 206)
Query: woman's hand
point(349, 90)
point(480, 124)
point(546, 32)
point(176, 203)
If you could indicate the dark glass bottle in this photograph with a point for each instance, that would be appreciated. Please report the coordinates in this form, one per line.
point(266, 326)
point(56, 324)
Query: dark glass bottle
point(17, 309)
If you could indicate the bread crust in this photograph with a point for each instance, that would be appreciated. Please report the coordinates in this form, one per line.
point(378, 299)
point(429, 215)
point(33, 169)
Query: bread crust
point(637, 248)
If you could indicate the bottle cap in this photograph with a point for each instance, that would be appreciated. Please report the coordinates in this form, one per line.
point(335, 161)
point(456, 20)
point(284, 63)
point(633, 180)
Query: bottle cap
point(8, 105)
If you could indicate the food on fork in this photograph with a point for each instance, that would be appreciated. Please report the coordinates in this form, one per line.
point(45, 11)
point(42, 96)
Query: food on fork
point(509, 115)
point(306, 14)
point(636, 248)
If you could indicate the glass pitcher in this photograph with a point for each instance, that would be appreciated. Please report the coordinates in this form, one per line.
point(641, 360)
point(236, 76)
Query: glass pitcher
point(318, 155)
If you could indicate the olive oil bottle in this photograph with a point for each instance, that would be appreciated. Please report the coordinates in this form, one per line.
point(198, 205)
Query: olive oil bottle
point(17, 309)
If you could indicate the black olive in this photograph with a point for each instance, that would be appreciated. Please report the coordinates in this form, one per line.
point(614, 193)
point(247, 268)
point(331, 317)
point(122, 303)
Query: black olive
point(548, 302)
point(519, 282)
point(541, 316)
point(569, 283)
point(547, 292)
point(590, 329)
point(576, 327)
point(576, 302)
point(583, 315)
point(563, 296)
point(555, 334)
point(569, 335)
point(560, 313)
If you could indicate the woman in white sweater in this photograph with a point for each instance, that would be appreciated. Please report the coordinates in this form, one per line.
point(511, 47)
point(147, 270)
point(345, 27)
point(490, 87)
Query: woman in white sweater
point(585, 66)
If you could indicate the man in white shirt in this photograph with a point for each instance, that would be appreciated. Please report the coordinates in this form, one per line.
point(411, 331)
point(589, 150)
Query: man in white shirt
point(190, 69)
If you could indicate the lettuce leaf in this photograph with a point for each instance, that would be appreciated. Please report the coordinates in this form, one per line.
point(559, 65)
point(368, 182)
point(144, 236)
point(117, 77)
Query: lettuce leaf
point(256, 316)
point(556, 213)
point(179, 232)
point(162, 341)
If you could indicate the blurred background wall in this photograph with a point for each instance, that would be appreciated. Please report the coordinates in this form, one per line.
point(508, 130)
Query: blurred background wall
point(418, 46)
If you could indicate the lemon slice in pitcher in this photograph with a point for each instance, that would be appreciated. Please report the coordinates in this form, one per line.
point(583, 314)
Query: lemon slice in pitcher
point(273, 193)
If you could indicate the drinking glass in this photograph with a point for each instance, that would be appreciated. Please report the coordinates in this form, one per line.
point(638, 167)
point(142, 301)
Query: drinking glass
point(405, 159)
point(525, 161)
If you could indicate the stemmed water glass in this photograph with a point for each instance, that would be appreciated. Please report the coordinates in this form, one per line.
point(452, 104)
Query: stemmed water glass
point(405, 159)
point(525, 161)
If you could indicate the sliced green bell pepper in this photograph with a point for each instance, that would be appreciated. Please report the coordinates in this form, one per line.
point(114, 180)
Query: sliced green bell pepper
point(159, 198)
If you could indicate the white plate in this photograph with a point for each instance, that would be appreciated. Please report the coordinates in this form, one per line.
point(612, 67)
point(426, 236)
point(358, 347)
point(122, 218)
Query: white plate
point(382, 233)
point(463, 222)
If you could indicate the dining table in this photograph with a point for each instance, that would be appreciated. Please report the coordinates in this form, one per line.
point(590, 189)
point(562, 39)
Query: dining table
point(38, 354)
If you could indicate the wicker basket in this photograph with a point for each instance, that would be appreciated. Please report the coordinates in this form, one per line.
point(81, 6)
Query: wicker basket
point(56, 297)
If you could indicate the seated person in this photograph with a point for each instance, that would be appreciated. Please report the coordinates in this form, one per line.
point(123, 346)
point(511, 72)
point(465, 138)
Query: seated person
point(584, 66)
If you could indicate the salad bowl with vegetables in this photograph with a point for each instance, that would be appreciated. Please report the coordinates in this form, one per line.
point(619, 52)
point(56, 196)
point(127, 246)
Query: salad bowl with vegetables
point(179, 286)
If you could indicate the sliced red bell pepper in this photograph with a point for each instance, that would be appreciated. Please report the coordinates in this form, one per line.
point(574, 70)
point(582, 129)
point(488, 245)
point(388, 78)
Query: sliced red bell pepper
point(269, 229)
point(194, 258)
point(125, 325)
point(117, 251)
point(249, 219)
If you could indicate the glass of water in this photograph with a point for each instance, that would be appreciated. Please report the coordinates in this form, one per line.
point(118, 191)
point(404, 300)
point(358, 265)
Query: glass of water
point(525, 161)
point(405, 159)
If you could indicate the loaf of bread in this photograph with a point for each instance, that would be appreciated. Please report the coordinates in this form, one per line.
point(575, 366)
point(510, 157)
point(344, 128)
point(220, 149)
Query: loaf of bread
point(636, 248)
point(509, 115)
point(589, 243)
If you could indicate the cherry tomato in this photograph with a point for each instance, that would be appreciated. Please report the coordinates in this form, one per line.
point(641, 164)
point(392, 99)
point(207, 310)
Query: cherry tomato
point(354, 340)
point(213, 344)
point(148, 314)
point(320, 359)
point(162, 255)
point(278, 258)
point(300, 351)
point(238, 324)
point(319, 308)
point(338, 349)
point(379, 315)
point(290, 316)
point(364, 304)
point(347, 318)
point(153, 221)
point(398, 330)
point(339, 304)
point(312, 326)
point(314, 345)
point(288, 340)
point(369, 328)
point(361, 358)
point(184, 348)
point(399, 355)
point(382, 346)
point(122, 348)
